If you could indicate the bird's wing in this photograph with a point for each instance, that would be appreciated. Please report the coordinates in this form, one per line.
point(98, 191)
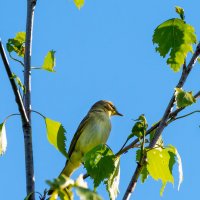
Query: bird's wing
point(79, 130)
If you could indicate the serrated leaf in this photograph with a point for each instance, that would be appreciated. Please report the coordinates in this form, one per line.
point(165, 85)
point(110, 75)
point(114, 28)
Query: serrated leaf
point(49, 61)
point(79, 3)
point(175, 37)
point(56, 135)
point(99, 163)
point(158, 166)
point(19, 83)
point(183, 98)
point(86, 194)
point(3, 139)
point(17, 44)
point(173, 150)
point(112, 184)
point(180, 11)
point(139, 128)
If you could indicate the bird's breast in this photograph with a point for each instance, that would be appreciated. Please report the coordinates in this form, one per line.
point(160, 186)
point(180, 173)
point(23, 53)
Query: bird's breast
point(95, 132)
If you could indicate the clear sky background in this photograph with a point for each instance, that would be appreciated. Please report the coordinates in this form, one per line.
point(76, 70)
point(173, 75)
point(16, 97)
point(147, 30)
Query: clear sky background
point(103, 51)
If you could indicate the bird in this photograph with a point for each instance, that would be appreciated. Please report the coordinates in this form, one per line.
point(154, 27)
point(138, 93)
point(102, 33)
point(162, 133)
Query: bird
point(93, 130)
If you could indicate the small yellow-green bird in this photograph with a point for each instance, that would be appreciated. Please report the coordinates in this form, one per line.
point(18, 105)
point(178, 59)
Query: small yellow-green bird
point(93, 130)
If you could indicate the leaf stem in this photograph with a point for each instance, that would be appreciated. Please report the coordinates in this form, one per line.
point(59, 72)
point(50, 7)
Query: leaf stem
point(11, 116)
point(19, 61)
point(38, 113)
point(183, 116)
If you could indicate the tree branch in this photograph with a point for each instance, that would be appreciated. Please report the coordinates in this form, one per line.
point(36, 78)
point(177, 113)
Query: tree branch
point(30, 182)
point(134, 143)
point(163, 122)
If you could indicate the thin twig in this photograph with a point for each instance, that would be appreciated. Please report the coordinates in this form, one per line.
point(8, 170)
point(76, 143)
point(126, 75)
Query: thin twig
point(17, 94)
point(163, 122)
point(183, 116)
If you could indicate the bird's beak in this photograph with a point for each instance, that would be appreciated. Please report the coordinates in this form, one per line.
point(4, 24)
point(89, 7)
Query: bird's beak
point(117, 113)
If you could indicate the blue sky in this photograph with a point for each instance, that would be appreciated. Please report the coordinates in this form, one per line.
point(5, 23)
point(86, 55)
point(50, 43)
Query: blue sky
point(103, 51)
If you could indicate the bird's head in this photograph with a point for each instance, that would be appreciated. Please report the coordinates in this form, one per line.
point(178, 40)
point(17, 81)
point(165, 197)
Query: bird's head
point(106, 106)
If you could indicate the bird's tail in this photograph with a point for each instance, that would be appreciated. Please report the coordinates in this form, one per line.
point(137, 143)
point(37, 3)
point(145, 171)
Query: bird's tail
point(67, 171)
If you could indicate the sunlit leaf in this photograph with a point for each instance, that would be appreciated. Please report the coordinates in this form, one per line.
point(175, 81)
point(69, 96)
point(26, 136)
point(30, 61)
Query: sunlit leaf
point(17, 44)
point(180, 11)
point(79, 3)
point(158, 166)
point(49, 61)
point(3, 139)
point(86, 194)
point(183, 98)
point(99, 163)
point(112, 184)
point(175, 37)
point(56, 135)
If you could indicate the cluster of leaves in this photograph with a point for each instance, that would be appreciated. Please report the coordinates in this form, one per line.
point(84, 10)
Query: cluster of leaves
point(17, 45)
point(102, 166)
point(175, 37)
point(62, 187)
point(157, 162)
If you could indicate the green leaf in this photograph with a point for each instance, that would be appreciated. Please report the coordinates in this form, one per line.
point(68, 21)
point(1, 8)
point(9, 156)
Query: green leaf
point(49, 61)
point(17, 44)
point(86, 194)
point(144, 173)
point(175, 37)
point(139, 128)
point(79, 3)
point(19, 83)
point(198, 59)
point(99, 163)
point(112, 184)
point(183, 98)
point(158, 166)
point(3, 139)
point(56, 135)
point(180, 11)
